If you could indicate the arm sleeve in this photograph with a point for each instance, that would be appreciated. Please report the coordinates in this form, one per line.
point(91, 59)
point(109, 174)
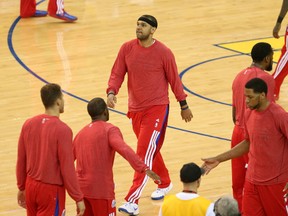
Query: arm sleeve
point(118, 72)
point(283, 119)
point(116, 142)
point(21, 162)
point(172, 75)
point(246, 134)
point(66, 160)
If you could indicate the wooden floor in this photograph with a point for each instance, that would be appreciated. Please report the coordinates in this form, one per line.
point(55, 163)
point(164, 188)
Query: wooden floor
point(79, 57)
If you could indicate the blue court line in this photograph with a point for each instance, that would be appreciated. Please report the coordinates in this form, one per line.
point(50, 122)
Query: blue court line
point(210, 60)
point(11, 48)
point(215, 59)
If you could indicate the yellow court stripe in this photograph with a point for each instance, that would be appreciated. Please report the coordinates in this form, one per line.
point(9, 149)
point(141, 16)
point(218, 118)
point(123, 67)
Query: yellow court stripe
point(246, 46)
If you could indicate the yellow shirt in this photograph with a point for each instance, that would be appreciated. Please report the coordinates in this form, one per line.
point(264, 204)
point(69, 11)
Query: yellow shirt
point(185, 204)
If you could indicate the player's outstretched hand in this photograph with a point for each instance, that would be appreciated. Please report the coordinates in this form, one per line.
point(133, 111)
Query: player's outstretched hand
point(186, 115)
point(209, 164)
point(111, 100)
point(153, 176)
point(80, 208)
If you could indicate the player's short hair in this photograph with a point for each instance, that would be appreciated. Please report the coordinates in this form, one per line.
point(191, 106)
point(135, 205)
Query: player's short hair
point(96, 107)
point(258, 85)
point(260, 51)
point(50, 93)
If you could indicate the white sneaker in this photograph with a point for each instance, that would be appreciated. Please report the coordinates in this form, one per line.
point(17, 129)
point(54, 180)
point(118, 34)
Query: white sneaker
point(129, 208)
point(161, 192)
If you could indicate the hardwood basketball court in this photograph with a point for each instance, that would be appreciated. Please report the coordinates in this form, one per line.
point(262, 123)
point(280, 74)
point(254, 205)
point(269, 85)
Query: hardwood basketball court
point(210, 40)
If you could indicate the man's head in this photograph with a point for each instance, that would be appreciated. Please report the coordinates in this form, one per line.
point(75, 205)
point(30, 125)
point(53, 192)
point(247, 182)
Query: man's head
point(226, 206)
point(51, 95)
point(255, 92)
point(190, 172)
point(97, 109)
point(146, 26)
point(262, 54)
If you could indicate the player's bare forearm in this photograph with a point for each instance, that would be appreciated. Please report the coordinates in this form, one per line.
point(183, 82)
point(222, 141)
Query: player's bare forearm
point(238, 150)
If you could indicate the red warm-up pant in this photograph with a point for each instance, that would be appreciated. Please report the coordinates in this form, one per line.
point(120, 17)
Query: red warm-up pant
point(28, 7)
point(264, 200)
point(99, 207)
point(150, 127)
point(239, 166)
point(44, 199)
point(281, 70)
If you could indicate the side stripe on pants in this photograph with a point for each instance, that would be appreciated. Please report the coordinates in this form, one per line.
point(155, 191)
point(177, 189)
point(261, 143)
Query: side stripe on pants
point(148, 160)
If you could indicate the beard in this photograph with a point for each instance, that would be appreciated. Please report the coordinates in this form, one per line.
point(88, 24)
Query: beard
point(254, 107)
point(61, 110)
point(269, 67)
point(142, 37)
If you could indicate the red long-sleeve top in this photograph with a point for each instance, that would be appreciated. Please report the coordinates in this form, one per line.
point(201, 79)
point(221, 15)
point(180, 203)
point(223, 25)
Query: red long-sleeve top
point(149, 72)
point(94, 150)
point(238, 87)
point(45, 153)
point(267, 132)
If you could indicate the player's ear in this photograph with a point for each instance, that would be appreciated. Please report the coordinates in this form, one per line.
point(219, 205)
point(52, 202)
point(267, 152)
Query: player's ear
point(262, 95)
point(267, 58)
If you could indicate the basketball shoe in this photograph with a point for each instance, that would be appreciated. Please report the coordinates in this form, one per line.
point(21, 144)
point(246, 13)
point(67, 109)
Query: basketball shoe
point(64, 16)
point(129, 208)
point(40, 13)
point(159, 193)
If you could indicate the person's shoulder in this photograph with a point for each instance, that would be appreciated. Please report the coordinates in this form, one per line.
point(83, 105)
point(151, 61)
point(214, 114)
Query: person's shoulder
point(33, 119)
point(240, 76)
point(61, 124)
point(161, 45)
point(264, 74)
point(277, 109)
point(130, 43)
point(111, 126)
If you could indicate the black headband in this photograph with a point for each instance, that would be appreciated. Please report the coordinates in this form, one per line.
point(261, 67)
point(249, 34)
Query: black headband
point(150, 22)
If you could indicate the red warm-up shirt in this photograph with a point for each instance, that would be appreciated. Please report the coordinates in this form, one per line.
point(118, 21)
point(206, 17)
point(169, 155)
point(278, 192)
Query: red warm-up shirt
point(149, 72)
point(238, 87)
point(45, 153)
point(267, 132)
point(94, 149)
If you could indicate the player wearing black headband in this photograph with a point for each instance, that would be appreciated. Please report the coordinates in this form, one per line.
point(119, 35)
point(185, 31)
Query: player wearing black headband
point(151, 68)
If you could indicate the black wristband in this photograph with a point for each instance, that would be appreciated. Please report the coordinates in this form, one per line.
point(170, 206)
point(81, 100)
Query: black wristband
point(279, 20)
point(185, 108)
point(110, 93)
point(182, 103)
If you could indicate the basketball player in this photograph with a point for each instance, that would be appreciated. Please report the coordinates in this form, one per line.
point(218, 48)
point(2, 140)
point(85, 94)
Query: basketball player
point(150, 67)
point(281, 70)
point(262, 59)
point(266, 140)
point(45, 165)
point(55, 9)
point(94, 148)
